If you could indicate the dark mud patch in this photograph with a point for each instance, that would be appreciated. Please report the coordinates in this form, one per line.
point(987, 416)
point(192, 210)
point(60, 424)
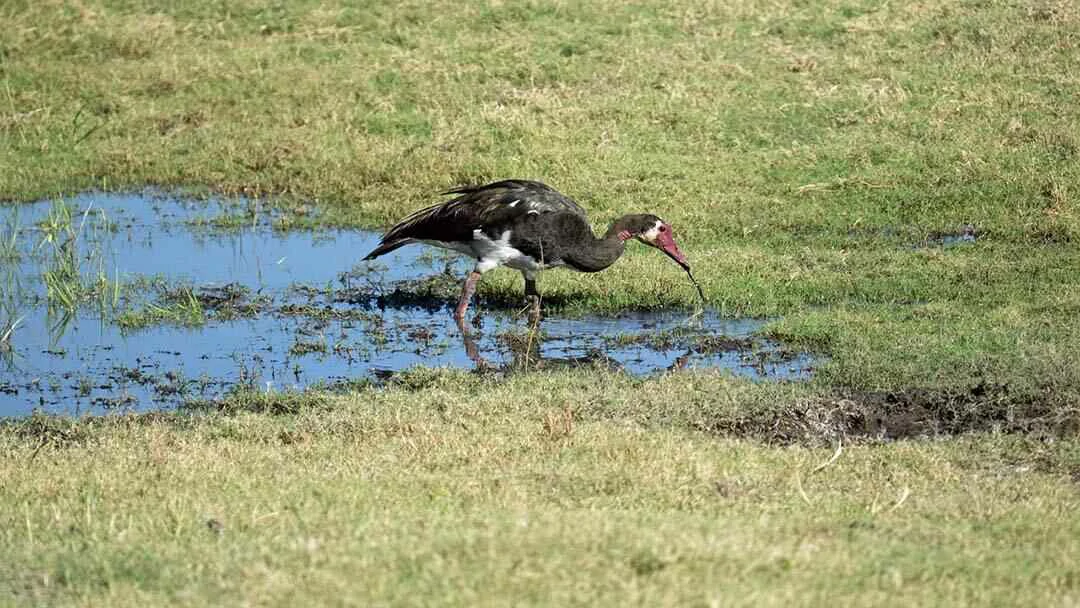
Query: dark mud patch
point(965, 235)
point(228, 301)
point(432, 293)
point(906, 414)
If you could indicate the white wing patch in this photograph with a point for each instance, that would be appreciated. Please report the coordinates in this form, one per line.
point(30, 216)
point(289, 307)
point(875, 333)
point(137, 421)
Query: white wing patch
point(492, 253)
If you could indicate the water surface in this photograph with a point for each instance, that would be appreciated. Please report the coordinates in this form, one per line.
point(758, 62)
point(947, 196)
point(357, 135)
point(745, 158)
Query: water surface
point(286, 310)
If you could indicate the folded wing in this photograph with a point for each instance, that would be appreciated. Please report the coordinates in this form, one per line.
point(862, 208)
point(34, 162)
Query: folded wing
point(490, 208)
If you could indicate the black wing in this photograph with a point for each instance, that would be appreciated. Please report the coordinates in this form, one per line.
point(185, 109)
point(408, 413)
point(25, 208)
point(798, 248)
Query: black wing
point(476, 207)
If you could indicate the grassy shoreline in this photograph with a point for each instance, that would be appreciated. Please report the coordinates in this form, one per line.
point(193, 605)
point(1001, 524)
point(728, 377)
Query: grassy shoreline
point(466, 491)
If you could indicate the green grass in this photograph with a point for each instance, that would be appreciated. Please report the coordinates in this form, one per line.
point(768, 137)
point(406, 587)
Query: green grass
point(809, 156)
point(802, 154)
point(462, 491)
point(73, 266)
point(177, 306)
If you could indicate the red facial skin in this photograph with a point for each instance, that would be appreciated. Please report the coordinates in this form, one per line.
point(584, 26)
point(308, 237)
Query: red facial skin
point(665, 241)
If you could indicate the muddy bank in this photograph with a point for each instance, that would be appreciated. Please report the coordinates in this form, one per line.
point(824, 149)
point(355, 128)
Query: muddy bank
point(908, 413)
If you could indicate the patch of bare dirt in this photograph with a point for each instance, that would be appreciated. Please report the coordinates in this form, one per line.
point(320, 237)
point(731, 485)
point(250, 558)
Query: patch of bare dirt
point(910, 413)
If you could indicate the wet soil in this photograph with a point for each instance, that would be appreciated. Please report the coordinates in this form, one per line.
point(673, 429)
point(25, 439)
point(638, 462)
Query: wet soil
point(966, 234)
point(908, 413)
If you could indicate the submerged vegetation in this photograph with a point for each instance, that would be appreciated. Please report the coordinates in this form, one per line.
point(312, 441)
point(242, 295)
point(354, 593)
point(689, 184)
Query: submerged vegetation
point(179, 307)
point(74, 268)
point(892, 185)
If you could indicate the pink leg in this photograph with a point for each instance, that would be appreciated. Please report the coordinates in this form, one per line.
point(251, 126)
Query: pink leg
point(466, 294)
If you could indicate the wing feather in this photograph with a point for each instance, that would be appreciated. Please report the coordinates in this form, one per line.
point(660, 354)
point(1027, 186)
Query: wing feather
point(489, 206)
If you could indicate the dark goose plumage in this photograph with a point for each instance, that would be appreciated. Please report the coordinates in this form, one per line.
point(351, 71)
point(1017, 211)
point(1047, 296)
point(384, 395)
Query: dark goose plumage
point(525, 225)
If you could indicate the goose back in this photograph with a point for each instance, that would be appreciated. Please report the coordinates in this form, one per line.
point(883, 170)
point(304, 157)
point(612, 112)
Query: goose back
point(490, 208)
